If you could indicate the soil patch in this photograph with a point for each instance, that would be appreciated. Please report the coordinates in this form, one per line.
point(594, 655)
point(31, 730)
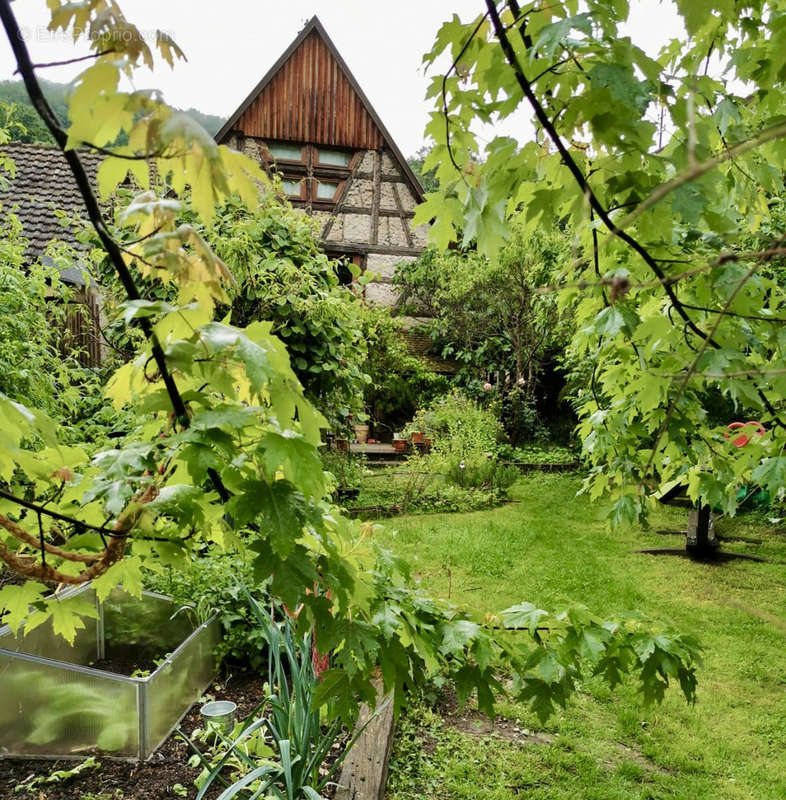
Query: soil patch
point(473, 723)
point(638, 758)
point(122, 666)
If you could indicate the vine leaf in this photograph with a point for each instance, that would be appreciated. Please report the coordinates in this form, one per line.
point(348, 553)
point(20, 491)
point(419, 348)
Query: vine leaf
point(16, 600)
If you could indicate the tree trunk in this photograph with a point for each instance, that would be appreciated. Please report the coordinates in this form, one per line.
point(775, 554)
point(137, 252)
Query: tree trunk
point(701, 539)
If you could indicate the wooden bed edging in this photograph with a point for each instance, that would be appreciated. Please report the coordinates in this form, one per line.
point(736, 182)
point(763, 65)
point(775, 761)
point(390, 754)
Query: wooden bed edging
point(365, 771)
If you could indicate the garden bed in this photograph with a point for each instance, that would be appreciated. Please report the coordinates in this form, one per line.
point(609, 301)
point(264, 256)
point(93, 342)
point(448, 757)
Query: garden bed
point(157, 779)
point(524, 466)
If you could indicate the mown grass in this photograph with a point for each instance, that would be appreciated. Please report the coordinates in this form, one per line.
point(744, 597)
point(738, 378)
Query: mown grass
point(552, 548)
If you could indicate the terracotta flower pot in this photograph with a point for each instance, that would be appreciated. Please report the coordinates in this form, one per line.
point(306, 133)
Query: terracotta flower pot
point(417, 437)
point(361, 433)
point(399, 445)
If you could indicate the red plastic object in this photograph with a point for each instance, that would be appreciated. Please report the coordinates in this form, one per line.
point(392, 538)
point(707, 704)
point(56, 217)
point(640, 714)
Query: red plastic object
point(744, 438)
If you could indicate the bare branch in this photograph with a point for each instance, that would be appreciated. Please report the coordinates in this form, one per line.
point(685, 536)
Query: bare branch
point(90, 57)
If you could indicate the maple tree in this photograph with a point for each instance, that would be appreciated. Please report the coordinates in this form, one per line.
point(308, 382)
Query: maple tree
point(668, 171)
point(224, 449)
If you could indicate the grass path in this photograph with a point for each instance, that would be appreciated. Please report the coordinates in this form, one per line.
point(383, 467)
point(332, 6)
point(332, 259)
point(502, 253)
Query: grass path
point(552, 548)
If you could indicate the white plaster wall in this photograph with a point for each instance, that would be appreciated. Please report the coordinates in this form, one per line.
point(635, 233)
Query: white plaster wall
point(389, 166)
point(336, 233)
point(361, 193)
point(384, 265)
point(419, 236)
point(367, 164)
point(381, 294)
point(357, 227)
point(387, 199)
point(407, 196)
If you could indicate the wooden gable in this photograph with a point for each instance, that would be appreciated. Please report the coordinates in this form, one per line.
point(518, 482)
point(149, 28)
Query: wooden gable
point(310, 96)
point(310, 99)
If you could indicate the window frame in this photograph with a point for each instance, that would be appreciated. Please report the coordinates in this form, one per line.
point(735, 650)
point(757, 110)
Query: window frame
point(275, 159)
point(315, 191)
point(301, 180)
point(318, 161)
point(310, 172)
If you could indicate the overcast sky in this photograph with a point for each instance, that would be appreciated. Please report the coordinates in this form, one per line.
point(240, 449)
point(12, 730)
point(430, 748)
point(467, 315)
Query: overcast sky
point(230, 44)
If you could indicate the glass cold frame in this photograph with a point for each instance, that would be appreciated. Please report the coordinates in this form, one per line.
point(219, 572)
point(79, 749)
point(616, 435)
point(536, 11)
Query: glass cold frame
point(66, 704)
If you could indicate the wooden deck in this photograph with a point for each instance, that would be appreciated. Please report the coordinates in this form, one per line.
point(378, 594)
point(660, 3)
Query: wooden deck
point(373, 449)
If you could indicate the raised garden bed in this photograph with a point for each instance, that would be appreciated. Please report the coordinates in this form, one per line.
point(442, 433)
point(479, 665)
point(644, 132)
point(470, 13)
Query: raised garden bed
point(65, 707)
point(167, 774)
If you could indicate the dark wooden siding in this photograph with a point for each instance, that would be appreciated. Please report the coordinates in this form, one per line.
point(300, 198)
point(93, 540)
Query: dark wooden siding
point(82, 336)
point(310, 99)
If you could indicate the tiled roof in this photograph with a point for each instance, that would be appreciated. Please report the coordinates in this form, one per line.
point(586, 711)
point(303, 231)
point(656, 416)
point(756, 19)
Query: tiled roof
point(43, 183)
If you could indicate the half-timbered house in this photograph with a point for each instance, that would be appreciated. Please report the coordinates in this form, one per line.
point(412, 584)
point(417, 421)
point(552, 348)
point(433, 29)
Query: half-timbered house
point(309, 121)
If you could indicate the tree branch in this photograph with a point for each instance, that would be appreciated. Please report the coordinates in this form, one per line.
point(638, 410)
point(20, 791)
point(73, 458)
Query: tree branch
point(573, 167)
point(27, 71)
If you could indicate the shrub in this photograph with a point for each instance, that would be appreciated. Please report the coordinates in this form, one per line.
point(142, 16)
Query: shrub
point(345, 469)
point(214, 585)
point(486, 474)
point(462, 430)
point(32, 299)
point(400, 382)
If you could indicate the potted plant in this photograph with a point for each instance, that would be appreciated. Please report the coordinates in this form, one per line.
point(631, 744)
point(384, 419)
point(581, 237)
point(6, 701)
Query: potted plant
point(361, 433)
point(399, 443)
point(418, 428)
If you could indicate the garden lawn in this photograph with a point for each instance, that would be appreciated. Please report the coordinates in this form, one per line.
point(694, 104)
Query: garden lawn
point(553, 548)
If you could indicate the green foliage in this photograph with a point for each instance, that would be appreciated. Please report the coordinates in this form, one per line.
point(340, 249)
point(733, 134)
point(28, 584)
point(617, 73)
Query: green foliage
point(412, 491)
point(345, 468)
point(279, 275)
point(13, 93)
point(32, 370)
point(213, 584)
point(489, 317)
point(663, 174)
point(282, 276)
point(399, 382)
point(555, 546)
point(34, 130)
point(288, 718)
point(462, 430)
point(224, 449)
point(532, 454)
point(427, 178)
point(489, 473)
